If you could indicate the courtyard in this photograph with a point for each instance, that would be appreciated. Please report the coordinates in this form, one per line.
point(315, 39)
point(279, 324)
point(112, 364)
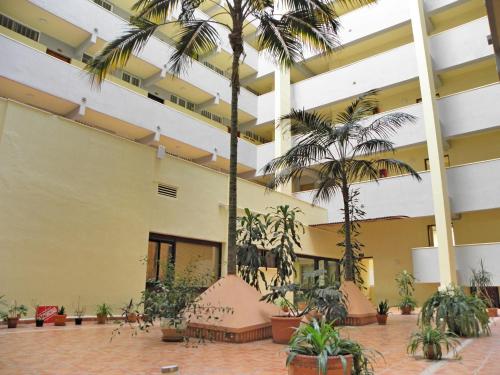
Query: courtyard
point(87, 350)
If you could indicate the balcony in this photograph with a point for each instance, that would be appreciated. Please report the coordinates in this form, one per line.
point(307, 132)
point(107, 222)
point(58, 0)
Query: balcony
point(62, 87)
point(426, 264)
point(385, 69)
point(156, 51)
point(472, 187)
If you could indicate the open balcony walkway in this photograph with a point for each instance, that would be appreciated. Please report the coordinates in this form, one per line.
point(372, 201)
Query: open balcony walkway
point(87, 350)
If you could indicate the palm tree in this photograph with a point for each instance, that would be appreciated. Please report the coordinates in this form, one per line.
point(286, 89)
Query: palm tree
point(345, 150)
point(305, 24)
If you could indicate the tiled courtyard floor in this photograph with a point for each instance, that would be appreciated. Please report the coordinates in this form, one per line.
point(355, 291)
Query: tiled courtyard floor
point(87, 350)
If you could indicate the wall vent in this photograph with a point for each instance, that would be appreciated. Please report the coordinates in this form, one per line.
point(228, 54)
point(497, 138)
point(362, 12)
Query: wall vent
point(168, 191)
point(19, 28)
point(104, 4)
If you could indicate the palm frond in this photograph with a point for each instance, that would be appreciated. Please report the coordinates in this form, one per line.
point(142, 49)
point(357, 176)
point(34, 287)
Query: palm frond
point(274, 36)
point(155, 10)
point(386, 125)
point(116, 54)
point(195, 38)
point(397, 167)
point(323, 10)
point(361, 169)
point(372, 146)
point(363, 106)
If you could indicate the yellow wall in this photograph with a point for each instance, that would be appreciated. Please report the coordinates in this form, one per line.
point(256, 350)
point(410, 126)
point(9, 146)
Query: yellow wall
point(77, 206)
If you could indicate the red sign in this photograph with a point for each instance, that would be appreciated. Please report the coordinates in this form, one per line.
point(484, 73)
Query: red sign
point(46, 313)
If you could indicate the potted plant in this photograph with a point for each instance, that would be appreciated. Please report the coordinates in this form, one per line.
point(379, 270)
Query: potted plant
point(14, 313)
point(431, 339)
point(480, 281)
point(79, 312)
point(463, 315)
point(38, 318)
point(406, 286)
point(317, 348)
point(382, 312)
point(128, 312)
point(103, 312)
point(60, 318)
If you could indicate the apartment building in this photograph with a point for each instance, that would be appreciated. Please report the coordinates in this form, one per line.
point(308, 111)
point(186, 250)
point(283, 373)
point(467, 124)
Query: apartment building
point(93, 180)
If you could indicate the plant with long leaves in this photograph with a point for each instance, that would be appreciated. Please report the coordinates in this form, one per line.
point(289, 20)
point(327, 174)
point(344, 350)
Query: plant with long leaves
point(320, 339)
point(480, 281)
point(406, 287)
point(464, 315)
point(252, 238)
point(432, 339)
point(342, 151)
point(285, 29)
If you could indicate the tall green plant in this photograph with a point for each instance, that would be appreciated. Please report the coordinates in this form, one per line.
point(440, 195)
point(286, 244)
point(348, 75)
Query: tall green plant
point(480, 281)
point(464, 315)
point(406, 287)
point(345, 149)
point(285, 29)
point(432, 339)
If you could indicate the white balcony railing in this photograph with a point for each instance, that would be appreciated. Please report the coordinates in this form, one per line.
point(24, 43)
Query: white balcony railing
point(35, 69)
point(471, 187)
point(426, 262)
point(385, 69)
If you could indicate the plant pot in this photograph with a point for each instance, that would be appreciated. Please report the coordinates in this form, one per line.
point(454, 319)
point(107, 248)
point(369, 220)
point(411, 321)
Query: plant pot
point(12, 322)
point(102, 318)
point(283, 327)
point(60, 320)
point(429, 353)
point(308, 365)
point(39, 322)
point(406, 310)
point(78, 321)
point(382, 319)
point(131, 318)
point(173, 331)
point(492, 312)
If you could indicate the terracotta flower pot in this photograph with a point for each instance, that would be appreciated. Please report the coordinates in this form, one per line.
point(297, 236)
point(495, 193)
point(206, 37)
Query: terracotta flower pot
point(131, 318)
point(381, 319)
point(173, 332)
point(60, 320)
point(283, 327)
point(12, 322)
point(492, 312)
point(406, 310)
point(308, 365)
point(102, 318)
point(429, 353)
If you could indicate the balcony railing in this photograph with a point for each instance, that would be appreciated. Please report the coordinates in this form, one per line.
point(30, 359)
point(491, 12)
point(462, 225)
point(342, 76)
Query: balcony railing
point(426, 262)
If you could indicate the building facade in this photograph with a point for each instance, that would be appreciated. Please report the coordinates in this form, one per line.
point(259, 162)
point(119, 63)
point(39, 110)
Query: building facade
point(93, 182)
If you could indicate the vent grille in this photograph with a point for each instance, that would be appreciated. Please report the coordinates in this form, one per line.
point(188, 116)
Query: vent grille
point(167, 191)
point(19, 28)
point(104, 4)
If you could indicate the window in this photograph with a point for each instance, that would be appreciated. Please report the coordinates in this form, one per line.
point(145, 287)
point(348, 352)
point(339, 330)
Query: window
point(104, 4)
point(86, 59)
point(173, 99)
point(190, 106)
point(199, 256)
point(432, 235)
point(446, 162)
point(59, 56)
point(155, 98)
point(206, 114)
point(19, 28)
point(133, 80)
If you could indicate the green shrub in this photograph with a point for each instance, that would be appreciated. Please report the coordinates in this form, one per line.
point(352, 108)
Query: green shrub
point(431, 339)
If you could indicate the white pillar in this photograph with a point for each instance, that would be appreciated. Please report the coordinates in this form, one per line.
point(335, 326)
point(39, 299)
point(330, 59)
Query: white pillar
point(282, 134)
point(440, 197)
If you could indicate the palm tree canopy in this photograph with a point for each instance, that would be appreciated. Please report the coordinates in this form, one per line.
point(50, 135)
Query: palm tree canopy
point(344, 150)
point(306, 24)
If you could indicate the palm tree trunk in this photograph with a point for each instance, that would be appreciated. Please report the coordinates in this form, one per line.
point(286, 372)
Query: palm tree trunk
point(348, 256)
point(236, 41)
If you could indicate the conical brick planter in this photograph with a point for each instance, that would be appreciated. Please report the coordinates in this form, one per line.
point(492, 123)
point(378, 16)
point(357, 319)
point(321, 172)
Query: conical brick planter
point(250, 319)
point(360, 311)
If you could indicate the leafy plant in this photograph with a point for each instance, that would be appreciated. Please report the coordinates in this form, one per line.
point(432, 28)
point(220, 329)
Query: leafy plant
point(463, 315)
point(128, 308)
point(432, 339)
point(251, 238)
point(79, 309)
point(383, 308)
point(104, 310)
point(61, 311)
point(285, 32)
point(479, 283)
point(406, 286)
point(16, 311)
point(278, 293)
point(322, 340)
point(346, 150)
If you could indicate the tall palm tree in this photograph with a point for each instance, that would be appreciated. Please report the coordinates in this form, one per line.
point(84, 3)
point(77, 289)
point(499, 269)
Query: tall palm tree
point(303, 25)
point(344, 150)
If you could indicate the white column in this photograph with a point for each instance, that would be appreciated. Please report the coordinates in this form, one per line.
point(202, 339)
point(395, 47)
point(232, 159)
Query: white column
point(440, 195)
point(282, 134)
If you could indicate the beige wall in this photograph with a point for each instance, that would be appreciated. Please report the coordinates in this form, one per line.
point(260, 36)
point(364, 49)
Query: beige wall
point(77, 206)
